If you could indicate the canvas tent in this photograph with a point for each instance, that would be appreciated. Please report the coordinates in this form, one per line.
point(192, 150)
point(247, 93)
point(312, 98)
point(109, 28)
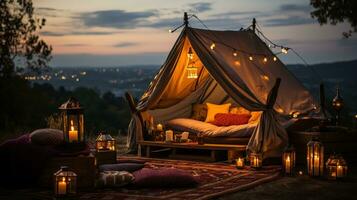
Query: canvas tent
point(223, 77)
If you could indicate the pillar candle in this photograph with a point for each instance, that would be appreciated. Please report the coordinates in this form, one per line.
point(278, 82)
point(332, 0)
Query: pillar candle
point(240, 162)
point(339, 171)
point(316, 165)
point(159, 127)
point(73, 135)
point(287, 165)
point(62, 187)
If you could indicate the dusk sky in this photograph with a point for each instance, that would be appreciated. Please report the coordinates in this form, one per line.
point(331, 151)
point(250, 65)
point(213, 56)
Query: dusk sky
point(135, 32)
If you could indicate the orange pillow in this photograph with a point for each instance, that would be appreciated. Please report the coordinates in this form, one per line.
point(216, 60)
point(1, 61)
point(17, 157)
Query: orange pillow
point(255, 116)
point(213, 109)
point(227, 119)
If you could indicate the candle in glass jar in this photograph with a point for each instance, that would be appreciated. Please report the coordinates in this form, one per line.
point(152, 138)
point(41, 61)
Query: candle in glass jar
point(62, 187)
point(316, 165)
point(169, 135)
point(287, 164)
point(159, 127)
point(72, 134)
point(240, 162)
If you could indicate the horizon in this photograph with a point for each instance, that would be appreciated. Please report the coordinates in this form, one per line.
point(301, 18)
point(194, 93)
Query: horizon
point(112, 33)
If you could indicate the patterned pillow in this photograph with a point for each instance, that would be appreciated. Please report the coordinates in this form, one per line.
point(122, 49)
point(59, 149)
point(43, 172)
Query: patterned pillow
point(228, 119)
point(163, 177)
point(46, 136)
point(213, 109)
point(199, 112)
point(114, 179)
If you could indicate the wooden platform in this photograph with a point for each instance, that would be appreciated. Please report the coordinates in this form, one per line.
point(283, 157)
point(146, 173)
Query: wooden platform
point(231, 150)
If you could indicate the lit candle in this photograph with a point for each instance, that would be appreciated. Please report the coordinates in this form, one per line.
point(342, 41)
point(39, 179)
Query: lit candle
point(169, 135)
point(185, 135)
point(316, 165)
point(159, 127)
point(333, 174)
point(339, 171)
point(73, 134)
point(240, 163)
point(287, 165)
point(62, 186)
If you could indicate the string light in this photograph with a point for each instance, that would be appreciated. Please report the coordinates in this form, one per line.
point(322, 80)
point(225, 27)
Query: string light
point(284, 50)
point(190, 54)
point(265, 77)
point(274, 58)
point(237, 63)
point(235, 54)
point(213, 45)
point(251, 58)
point(170, 31)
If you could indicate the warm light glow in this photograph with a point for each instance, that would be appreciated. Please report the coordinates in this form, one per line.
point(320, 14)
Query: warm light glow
point(235, 54)
point(190, 54)
point(356, 116)
point(280, 110)
point(265, 77)
point(192, 71)
point(170, 31)
point(284, 50)
point(213, 45)
point(72, 134)
point(265, 59)
point(237, 63)
point(275, 59)
point(251, 58)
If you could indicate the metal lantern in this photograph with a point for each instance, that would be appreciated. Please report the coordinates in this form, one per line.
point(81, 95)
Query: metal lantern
point(192, 70)
point(315, 158)
point(288, 161)
point(73, 121)
point(336, 167)
point(105, 142)
point(65, 182)
point(256, 160)
point(338, 104)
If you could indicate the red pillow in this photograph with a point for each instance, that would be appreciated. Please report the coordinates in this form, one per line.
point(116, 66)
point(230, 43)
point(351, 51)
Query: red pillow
point(228, 119)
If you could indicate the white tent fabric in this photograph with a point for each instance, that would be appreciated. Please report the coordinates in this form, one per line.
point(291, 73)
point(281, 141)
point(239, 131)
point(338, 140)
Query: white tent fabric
point(251, 84)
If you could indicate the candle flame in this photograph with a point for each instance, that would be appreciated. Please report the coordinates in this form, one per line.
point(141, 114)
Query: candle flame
point(288, 159)
point(63, 179)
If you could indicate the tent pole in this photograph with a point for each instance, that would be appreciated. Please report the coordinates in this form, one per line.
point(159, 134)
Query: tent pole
point(185, 19)
point(254, 23)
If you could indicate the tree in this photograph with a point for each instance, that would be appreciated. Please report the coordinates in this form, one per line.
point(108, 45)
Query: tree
point(20, 44)
point(336, 11)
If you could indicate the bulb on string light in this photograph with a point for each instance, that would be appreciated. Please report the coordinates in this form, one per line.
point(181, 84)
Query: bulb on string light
point(265, 59)
point(284, 50)
point(251, 58)
point(235, 53)
point(265, 77)
point(170, 31)
point(213, 45)
point(190, 54)
point(275, 59)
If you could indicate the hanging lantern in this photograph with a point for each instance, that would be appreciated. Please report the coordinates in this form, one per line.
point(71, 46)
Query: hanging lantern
point(338, 104)
point(315, 158)
point(240, 163)
point(256, 160)
point(73, 121)
point(192, 71)
point(336, 167)
point(288, 161)
point(105, 142)
point(65, 183)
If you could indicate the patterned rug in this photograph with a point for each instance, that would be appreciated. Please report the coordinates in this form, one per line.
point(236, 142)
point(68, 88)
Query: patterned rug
point(215, 179)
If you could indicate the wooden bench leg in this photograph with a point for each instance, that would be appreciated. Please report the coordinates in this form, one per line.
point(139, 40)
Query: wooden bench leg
point(213, 155)
point(139, 150)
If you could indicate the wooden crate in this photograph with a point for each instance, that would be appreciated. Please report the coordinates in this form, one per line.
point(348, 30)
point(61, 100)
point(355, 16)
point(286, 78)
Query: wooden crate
point(83, 166)
point(344, 143)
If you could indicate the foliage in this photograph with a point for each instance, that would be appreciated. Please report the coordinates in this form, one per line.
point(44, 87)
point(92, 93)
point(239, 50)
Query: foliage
point(20, 44)
point(336, 11)
point(28, 107)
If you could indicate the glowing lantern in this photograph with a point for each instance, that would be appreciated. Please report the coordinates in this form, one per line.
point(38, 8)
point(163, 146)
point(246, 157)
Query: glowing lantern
point(337, 104)
point(65, 183)
point(336, 167)
point(315, 158)
point(105, 142)
point(190, 54)
point(213, 45)
point(240, 163)
point(256, 160)
point(73, 121)
point(192, 71)
point(288, 161)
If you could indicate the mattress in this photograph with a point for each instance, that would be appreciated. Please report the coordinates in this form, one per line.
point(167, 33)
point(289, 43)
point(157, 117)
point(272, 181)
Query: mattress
point(205, 129)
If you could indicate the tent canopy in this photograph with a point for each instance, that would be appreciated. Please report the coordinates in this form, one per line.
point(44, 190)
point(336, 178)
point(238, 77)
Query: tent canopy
point(247, 78)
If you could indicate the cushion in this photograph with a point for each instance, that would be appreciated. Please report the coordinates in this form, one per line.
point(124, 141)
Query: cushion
point(47, 136)
point(213, 109)
point(129, 167)
point(114, 179)
point(255, 116)
point(199, 112)
point(228, 119)
point(126, 160)
point(163, 177)
point(239, 110)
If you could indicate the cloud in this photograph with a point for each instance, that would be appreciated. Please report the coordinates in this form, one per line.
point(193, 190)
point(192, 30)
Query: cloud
point(74, 45)
point(237, 14)
point(288, 21)
point(294, 7)
point(59, 34)
point(125, 44)
point(201, 7)
point(116, 18)
point(166, 23)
